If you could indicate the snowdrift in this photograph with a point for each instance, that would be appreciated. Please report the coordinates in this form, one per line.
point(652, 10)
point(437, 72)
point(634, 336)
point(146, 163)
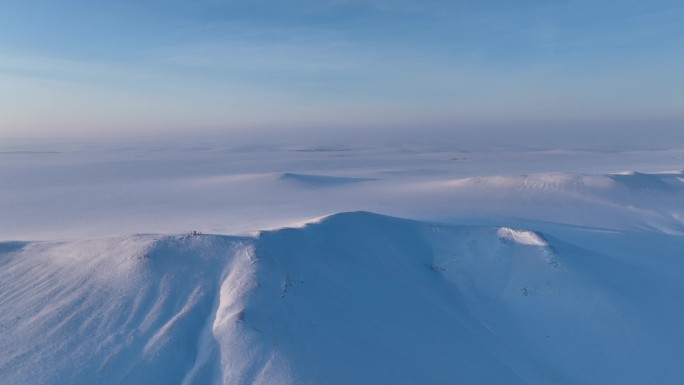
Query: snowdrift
point(630, 201)
point(354, 298)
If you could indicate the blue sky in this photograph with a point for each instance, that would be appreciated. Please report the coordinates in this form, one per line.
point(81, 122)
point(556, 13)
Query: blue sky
point(75, 67)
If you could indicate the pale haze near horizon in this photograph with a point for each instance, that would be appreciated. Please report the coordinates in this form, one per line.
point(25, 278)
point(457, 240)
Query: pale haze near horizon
point(496, 71)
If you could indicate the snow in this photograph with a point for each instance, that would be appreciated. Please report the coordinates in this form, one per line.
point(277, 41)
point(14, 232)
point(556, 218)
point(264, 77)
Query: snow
point(60, 191)
point(522, 237)
point(422, 264)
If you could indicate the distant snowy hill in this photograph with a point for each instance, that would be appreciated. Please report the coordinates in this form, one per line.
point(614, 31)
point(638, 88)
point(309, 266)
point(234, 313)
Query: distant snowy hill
point(353, 298)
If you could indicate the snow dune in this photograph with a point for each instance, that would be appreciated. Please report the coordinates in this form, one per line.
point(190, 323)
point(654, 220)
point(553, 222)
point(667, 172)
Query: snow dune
point(351, 298)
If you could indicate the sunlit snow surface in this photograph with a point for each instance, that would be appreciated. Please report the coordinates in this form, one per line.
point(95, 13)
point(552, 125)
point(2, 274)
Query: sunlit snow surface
point(515, 267)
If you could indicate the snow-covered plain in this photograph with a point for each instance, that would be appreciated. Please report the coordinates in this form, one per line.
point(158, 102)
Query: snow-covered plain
point(424, 264)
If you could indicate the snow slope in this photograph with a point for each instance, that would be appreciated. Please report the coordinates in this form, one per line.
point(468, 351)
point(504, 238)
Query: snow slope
point(350, 298)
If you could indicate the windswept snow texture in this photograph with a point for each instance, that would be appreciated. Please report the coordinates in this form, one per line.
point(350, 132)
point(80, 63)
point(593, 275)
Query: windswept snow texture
point(518, 266)
point(355, 298)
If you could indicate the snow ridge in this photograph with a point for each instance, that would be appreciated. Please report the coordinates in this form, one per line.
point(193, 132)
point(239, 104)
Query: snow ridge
point(352, 298)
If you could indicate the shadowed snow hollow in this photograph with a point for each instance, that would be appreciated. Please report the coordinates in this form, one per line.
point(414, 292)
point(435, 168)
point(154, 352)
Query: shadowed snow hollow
point(355, 298)
point(320, 180)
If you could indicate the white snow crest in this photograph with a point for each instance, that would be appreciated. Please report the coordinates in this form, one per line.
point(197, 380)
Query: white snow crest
point(523, 237)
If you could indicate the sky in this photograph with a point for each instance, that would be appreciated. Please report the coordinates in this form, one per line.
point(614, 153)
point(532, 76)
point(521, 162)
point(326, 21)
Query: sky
point(94, 67)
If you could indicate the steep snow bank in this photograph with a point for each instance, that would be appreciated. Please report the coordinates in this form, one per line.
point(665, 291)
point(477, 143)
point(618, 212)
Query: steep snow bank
point(352, 298)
